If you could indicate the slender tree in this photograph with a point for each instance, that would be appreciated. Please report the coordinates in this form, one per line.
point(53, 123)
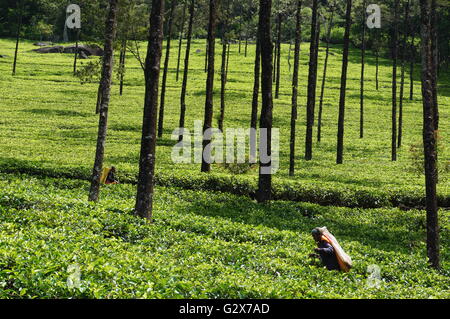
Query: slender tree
point(289, 55)
point(363, 65)
point(240, 41)
point(77, 39)
point(435, 53)
point(228, 62)
point(122, 60)
point(264, 191)
point(275, 57)
point(223, 83)
point(278, 73)
point(147, 161)
point(254, 115)
point(104, 93)
point(412, 53)
point(246, 46)
point(394, 80)
point(186, 68)
point(312, 81)
point(126, 30)
point(20, 9)
point(206, 56)
point(428, 19)
point(180, 42)
point(376, 49)
point(341, 119)
point(324, 77)
point(298, 37)
point(166, 71)
point(402, 79)
point(377, 69)
point(206, 158)
point(223, 79)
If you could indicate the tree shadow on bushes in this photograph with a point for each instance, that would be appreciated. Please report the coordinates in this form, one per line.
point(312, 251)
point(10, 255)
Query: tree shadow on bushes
point(382, 232)
point(67, 113)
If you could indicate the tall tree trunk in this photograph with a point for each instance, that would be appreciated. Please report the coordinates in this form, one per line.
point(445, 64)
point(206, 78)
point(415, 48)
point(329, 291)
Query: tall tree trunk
point(240, 40)
point(312, 82)
point(222, 84)
point(400, 107)
point(19, 27)
point(105, 91)
point(377, 58)
point(394, 81)
point(254, 116)
point(429, 130)
point(246, 46)
point(123, 55)
point(341, 120)
point(411, 67)
point(206, 56)
point(277, 85)
point(264, 191)
point(206, 158)
point(377, 69)
point(435, 53)
point(180, 42)
point(186, 70)
point(289, 55)
point(402, 79)
point(99, 99)
point(275, 56)
point(165, 72)
point(147, 160)
point(77, 32)
point(228, 61)
point(298, 37)
point(363, 65)
point(324, 77)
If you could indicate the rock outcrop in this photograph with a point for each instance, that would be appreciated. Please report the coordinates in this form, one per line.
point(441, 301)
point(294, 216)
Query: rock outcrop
point(87, 50)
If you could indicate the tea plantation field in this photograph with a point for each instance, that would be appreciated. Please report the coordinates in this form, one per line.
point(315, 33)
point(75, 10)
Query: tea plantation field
point(209, 239)
point(48, 125)
point(202, 245)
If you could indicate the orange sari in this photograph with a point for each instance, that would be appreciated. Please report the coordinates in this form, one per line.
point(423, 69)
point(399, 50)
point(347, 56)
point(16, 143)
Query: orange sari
point(343, 265)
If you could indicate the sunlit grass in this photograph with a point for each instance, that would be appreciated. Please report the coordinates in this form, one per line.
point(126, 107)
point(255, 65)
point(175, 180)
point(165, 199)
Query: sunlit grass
point(49, 118)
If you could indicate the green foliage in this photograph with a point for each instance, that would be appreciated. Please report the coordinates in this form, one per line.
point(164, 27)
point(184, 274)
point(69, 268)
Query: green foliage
point(337, 35)
point(239, 168)
point(89, 72)
point(42, 30)
point(418, 161)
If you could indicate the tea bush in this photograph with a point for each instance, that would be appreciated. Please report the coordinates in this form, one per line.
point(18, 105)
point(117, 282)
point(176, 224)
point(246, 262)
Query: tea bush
point(202, 245)
point(49, 127)
point(210, 239)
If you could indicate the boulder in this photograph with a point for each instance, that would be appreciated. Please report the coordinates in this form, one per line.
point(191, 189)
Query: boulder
point(198, 51)
point(2, 56)
point(87, 49)
point(55, 49)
